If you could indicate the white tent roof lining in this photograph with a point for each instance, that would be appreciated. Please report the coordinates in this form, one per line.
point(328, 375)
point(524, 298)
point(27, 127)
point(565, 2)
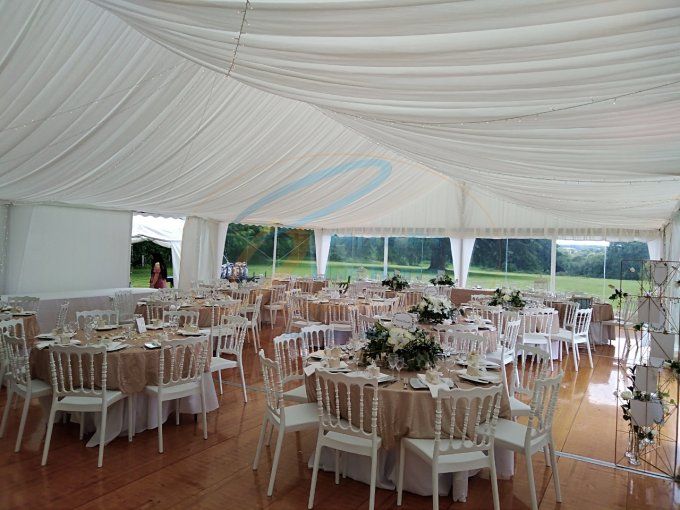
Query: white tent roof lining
point(174, 119)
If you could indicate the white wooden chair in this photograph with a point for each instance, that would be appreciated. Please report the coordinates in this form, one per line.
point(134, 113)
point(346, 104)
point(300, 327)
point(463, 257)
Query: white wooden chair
point(408, 299)
point(579, 334)
point(228, 339)
point(184, 318)
point(505, 352)
point(20, 384)
point(625, 318)
point(108, 317)
point(77, 389)
point(537, 328)
point(346, 434)
point(364, 323)
point(124, 303)
point(535, 365)
point(570, 308)
point(465, 449)
point(253, 325)
point(537, 434)
point(282, 418)
point(339, 316)
point(277, 303)
point(464, 342)
point(290, 352)
point(14, 328)
point(155, 309)
point(318, 337)
point(26, 303)
point(61, 316)
point(180, 374)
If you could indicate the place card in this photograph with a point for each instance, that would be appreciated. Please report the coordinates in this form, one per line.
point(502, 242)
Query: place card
point(140, 324)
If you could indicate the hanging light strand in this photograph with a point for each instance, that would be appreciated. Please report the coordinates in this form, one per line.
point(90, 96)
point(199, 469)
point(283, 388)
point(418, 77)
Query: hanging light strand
point(237, 39)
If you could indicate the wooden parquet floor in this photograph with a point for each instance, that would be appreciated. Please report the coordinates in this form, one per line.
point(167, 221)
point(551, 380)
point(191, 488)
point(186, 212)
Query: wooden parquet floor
point(216, 473)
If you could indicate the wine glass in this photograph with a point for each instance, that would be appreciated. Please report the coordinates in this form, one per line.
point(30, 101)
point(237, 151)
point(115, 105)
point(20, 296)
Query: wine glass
point(399, 365)
point(392, 359)
point(88, 328)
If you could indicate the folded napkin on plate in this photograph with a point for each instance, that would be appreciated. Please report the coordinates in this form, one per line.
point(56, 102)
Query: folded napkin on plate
point(434, 388)
point(311, 368)
point(47, 343)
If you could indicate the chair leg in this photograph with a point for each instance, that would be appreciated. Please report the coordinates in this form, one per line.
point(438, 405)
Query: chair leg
point(48, 435)
point(5, 413)
point(243, 380)
point(22, 424)
point(400, 479)
point(550, 354)
point(203, 412)
point(177, 411)
point(337, 467)
point(546, 456)
point(556, 475)
point(374, 476)
point(131, 417)
point(532, 483)
point(102, 436)
point(275, 464)
point(574, 349)
point(81, 432)
point(160, 424)
point(219, 375)
point(435, 488)
point(315, 470)
point(494, 479)
point(590, 356)
point(258, 452)
point(269, 435)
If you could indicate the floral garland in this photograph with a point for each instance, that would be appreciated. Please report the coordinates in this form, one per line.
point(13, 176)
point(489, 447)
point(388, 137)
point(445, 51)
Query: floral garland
point(505, 298)
point(416, 347)
point(396, 282)
point(433, 309)
point(442, 279)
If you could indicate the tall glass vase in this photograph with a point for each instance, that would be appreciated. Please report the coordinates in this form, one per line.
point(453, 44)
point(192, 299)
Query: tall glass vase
point(633, 450)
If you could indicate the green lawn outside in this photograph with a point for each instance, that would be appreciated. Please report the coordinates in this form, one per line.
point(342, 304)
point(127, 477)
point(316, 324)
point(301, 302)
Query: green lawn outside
point(139, 276)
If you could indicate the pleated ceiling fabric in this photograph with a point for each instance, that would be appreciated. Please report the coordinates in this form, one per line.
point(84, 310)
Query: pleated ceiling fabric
point(364, 117)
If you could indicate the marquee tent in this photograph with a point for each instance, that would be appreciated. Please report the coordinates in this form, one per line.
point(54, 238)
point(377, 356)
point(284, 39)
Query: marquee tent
point(359, 117)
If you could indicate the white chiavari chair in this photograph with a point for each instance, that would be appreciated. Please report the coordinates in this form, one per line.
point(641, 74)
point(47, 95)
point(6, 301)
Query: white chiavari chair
point(505, 352)
point(124, 303)
point(375, 292)
point(181, 364)
point(364, 323)
point(298, 312)
point(228, 338)
point(155, 309)
point(254, 319)
point(466, 447)
point(282, 418)
point(339, 315)
point(8, 327)
point(537, 328)
point(315, 338)
point(536, 435)
point(277, 303)
point(461, 342)
point(20, 383)
point(346, 433)
point(408, 299)
point(79, 387)
point(106, 317)
point(579, 334)
point(24, 303)
point(184, 318)
point(535, 365)
point(290, 352)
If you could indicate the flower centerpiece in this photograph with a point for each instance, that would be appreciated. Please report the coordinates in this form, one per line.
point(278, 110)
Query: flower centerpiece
point(507, 298)
point(396, 282)
point(433, 309)
point(442, 279)
point(417, 348)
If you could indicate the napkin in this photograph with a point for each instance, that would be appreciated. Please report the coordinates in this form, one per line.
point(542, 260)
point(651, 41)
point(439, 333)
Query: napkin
point(434, 388)
point(311, 367)
point(47, 343)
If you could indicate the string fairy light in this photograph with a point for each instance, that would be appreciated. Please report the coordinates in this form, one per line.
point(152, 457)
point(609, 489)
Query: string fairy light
point(237, 39)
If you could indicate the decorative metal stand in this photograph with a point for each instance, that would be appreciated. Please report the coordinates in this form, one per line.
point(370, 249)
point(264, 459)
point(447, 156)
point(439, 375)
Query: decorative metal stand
point(648, 385)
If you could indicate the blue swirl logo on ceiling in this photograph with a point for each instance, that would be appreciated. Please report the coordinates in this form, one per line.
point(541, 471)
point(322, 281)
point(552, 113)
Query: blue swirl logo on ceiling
point(384, 169)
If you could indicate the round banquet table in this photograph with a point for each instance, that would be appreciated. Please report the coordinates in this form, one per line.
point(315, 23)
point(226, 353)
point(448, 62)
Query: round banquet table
point(407, 413)
point(129, 370)
point(198, 305)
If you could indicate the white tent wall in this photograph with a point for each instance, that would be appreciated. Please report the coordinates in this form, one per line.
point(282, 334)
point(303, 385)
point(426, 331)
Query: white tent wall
point(202, 250)
point(322, 246)
point(461, 253)
point(163, 231)
point(60, 249)
point(4, 237)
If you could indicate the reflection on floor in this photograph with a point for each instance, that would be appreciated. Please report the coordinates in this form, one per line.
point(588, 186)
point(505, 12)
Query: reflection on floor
point(217, 473)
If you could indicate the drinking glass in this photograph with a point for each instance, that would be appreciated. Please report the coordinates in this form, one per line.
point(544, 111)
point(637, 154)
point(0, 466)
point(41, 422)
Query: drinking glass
point(399, 366)
point(88, 328)
point(392, 361)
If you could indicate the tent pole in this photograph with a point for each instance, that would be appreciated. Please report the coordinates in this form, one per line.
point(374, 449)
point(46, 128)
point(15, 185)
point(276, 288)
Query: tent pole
point(385, 251)
point(276, 237)
point(604, 273)
point(553, 264)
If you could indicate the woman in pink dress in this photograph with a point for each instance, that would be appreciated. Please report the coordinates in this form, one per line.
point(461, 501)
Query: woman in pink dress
point(159, 273)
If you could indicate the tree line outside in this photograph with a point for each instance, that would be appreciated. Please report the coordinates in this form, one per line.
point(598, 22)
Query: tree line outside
point(579, 268)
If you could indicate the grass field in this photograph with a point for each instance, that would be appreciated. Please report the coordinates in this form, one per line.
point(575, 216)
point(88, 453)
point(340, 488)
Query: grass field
point(483, 277)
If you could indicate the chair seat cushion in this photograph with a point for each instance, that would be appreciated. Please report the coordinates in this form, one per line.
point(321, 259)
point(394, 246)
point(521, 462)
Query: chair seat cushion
point(518, 408)
point(302, 416)
point(178, 389)
point(218, 363)
point(298, 394)
point(531, 338)
point(425, 448)
point(111, 397)
point(509, 434)
point(348, 439)
point(38, 388)
point(501, 357)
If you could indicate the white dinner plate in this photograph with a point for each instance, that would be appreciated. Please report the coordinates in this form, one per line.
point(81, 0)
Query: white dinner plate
point(107, 327)
point(184, 332)
point(116, 346)
point(480, 380)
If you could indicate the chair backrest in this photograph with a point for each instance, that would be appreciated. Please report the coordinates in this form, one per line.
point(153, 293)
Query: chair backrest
point(78, 371)
point(124, 303)
point(509, 338)
point(183, 317)
point(375, 292)
point(289, 352)
point(582, 320)
point(338, 313)
point(317, 337)
point(106, 316)
point(26, 303)
point(155, 309)
point(278, 294)
point(535, 365)
point(570, 308)
point(221, 309)
point(341, 402)
point(18, 359)
point(230, 335)
point(444, 291)
point(409, 298)
point(629, 309)
point(182, 361)
point(364, 323)
point(12, 327)
point(273, 386)
point(256, 307)
point(494, 314)
point(380, 308)
point(242, 295)
point(464, 342)
point(538, 320)
point(542, 407)
point(429, 291)
point(462, 412)
point(61, 315)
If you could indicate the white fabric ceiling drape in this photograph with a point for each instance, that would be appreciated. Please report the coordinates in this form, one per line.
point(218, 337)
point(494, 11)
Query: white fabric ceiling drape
point(655, 248)
point(461, 252)
point(322, 245)
point(202, 249)
point(354, 117)
point(165, 232)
